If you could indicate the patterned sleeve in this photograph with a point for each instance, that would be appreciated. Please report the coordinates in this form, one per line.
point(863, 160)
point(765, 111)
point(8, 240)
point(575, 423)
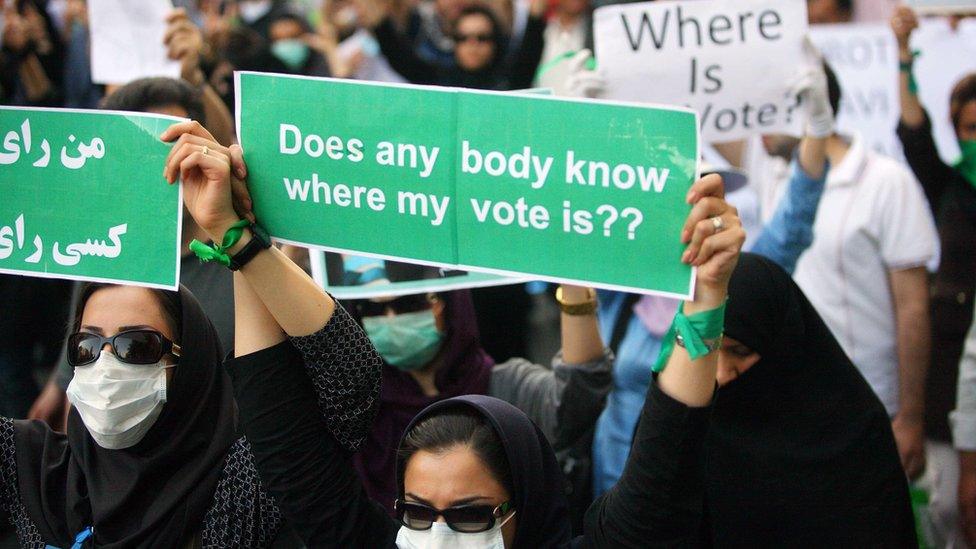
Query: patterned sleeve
point(10, 503)
point(243, 513)
point(345, 370)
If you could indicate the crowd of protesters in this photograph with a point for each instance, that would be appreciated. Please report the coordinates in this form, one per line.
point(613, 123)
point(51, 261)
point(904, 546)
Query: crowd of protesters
point(252, 409)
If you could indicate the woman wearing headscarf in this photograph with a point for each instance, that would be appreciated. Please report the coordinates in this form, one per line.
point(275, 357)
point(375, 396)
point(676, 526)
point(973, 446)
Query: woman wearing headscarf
point(432, 352)
point(153, 456)
point(480, 464)
point(479, 50)
point(800, 451)
point(951, 193)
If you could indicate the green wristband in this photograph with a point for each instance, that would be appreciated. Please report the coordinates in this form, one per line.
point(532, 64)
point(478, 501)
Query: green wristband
point(218, 253)
point(694, 330)
point(907, 68)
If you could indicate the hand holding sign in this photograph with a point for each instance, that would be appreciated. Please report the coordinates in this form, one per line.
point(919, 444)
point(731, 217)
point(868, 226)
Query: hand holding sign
point(715, 236)
point(192, 137)
point(204, 166)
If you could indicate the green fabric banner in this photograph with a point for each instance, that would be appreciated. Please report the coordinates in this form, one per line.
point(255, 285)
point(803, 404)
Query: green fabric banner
point(83, 197)
point(524, 185)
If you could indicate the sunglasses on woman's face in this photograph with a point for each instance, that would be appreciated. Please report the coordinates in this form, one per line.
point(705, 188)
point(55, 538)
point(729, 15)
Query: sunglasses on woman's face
point(131, 347)
point(401, 305)
point(480, 38)
point(468, 519)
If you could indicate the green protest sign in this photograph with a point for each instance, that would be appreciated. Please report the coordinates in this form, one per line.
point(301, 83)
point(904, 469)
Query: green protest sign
point(84, 197)
point(358, 277)
point(513, 184)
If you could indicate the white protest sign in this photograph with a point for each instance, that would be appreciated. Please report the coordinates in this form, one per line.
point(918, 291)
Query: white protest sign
point(127, 40)
point(943, 7)
point(946, 56)
point(864, 58)
point(730, 61)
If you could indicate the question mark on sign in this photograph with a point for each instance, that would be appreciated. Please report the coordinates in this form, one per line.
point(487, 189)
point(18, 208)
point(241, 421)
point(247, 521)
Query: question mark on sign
point(791, 108)
point(611, 217)
point(638, 219)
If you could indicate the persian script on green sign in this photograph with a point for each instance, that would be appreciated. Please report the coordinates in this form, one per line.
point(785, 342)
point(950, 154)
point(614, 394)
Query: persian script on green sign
point(84, 197)
point(521, 185)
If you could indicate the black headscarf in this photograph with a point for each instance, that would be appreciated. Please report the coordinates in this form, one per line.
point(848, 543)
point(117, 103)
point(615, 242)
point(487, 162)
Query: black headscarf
point(466, 369)
point(154, 494)
point(800, 450)
point(542, 513)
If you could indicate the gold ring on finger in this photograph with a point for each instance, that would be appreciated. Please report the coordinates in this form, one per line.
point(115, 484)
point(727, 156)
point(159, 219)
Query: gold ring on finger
point(206, 150)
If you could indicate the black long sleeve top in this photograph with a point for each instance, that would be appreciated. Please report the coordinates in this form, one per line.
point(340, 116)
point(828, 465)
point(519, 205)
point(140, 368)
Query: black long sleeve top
point(518, 75)
point(953, 202)
point(346, 381)
point(657, 502)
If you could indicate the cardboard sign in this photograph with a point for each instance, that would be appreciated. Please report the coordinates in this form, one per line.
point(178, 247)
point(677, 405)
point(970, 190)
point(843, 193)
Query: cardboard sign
point(733, 62)
point(520, 185)
point(75, 203)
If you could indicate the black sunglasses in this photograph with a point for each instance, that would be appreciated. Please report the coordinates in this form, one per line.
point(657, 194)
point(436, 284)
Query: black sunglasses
point(480, 38)
point(401, 305)
point(131, 347)
point(468, 519)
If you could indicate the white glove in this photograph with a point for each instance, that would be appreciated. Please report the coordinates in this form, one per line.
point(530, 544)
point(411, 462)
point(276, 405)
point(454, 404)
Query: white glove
point(811, 87)
point(581, 81)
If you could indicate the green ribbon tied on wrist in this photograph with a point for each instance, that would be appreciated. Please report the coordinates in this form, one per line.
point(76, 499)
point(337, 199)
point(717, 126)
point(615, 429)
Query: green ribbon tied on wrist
point(694, 330)
point(219, 253)
point(907, 68)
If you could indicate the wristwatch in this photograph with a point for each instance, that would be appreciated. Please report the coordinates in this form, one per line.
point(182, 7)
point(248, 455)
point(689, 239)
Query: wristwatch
point(259, 241)
point(587, 307)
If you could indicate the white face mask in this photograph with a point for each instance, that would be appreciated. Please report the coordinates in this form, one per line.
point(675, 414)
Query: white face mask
point(118, 402)
point(252, 11)
point(440, 536)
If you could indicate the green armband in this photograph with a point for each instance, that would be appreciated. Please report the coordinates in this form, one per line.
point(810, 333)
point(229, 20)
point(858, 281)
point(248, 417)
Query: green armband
point(694, 330)
point(907, 68)
point(218, 253)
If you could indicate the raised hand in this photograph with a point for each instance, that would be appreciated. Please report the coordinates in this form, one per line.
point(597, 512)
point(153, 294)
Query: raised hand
point(715, 236)
point(903, 22)
point(184, 43)
point(214, 198)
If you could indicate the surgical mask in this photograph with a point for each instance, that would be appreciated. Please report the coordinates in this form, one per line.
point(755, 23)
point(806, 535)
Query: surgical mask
point(407, 341)
point(252, 11)
point(293, 53)
point(118, 402)
point(967, 164)
point(440, 536)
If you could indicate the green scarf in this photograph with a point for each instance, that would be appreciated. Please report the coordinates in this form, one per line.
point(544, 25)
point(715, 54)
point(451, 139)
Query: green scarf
point(967, 163)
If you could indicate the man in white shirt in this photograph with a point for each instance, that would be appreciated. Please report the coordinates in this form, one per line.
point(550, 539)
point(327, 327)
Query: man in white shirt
point(565, 36)
point(963, 421)
point(866, 275)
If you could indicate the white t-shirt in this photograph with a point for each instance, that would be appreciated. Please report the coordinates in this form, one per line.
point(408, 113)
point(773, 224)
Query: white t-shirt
point(873, 219)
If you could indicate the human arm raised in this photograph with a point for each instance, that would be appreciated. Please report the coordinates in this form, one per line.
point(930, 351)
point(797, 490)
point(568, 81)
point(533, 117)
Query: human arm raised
point(660, 496)
point(184, 43)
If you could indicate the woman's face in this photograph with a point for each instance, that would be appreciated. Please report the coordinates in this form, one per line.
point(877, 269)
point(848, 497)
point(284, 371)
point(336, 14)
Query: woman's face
point(454, 477)
point(966, 130)
point(475, 42)
point(119, 308)
point(410, 304)
point(733, 360)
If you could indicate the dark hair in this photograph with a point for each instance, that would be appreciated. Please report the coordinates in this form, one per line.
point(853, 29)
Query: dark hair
point(294, 18)
point(962, 93)
point(458, 427)
point(845, 5)
point(477, 9)
point(168, 301)
point(145, 93)
point(833, 89)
